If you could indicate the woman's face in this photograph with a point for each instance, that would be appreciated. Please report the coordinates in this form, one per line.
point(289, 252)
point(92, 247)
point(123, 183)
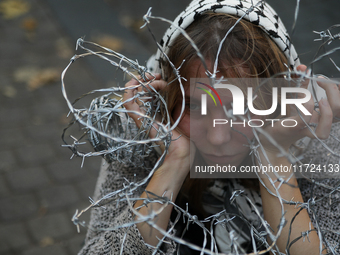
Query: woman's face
point(221, 144)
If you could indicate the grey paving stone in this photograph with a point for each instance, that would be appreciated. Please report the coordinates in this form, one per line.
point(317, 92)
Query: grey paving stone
point(12, 137)
point(92, 165)
point(7, 160)
point(48, 108)
point(43, 132)
point(4, 247)
point(4, 191)
point(35, 153)
point(86, 187)
point(76, 243)
point(58, 197)
point(17, 207)
point(13, 50)
point(13, 117)
point(66, 171)
point(56, 226)
point(14, 235)
point(48, 250)
point(84, 25)
point(27, 179)
point(53, 90)
point(22, 98)
point(18, 33)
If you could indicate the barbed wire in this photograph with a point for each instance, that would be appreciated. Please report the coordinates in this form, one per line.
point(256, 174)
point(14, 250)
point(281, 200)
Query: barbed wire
point(115, 137)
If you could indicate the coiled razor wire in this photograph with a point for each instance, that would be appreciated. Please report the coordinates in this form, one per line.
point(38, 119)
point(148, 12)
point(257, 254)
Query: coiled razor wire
point(114, 136)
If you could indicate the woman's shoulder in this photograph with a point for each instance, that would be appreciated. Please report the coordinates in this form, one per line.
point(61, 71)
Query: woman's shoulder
point(320, 182)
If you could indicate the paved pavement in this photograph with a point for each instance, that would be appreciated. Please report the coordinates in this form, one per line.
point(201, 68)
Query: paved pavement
point(40, 187)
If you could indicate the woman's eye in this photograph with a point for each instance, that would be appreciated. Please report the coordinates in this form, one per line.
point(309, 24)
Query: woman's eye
point(193, 107)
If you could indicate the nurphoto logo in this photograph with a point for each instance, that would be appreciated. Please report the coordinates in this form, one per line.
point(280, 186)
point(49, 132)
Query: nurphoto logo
point(232, 108)
point(239, 100)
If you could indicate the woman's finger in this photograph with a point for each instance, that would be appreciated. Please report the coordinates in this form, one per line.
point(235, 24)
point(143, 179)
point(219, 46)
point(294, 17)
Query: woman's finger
point(309, 105)
point(137, 94)
point(297, 111)
point(325, 120)
point(304, 82)
point(333, 95)
point(131, 103)
point(155, 76)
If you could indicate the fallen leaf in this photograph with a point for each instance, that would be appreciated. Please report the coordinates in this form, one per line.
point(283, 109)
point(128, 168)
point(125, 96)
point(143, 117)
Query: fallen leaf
point(46, 241)
point(35, 77)
point(24, 74)
point(132, 23)
point(9, 91)
point(29, 24)
point(42, 78)
point(111, 42)
point(12, 9)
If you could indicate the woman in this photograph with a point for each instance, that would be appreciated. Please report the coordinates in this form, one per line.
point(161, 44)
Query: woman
point(256, 46)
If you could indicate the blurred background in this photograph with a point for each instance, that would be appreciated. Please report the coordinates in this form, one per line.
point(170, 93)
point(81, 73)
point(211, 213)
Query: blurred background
point(40, 187)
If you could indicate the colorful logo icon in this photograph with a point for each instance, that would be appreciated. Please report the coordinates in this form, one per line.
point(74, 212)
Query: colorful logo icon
point(209, 93)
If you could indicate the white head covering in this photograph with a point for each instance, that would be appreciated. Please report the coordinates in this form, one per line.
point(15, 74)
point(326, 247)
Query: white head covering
point(256, 11)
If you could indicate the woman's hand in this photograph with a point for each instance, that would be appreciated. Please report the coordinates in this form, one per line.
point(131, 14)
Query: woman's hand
point(169, 177)
point(180, 145)
point(298, 221)
point(320, 121)
point(137, 95)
